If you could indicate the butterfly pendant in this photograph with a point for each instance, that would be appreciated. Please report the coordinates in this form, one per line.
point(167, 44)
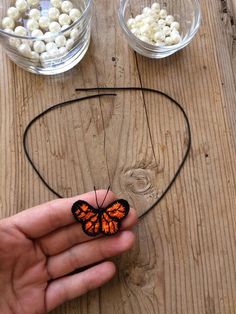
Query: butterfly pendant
point(99, 220)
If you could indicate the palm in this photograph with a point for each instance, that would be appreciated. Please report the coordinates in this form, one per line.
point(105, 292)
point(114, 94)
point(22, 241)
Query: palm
point(41, 246)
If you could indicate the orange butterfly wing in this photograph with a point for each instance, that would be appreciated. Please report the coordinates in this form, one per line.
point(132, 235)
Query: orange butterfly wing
point(113, 215)
point(88, 216)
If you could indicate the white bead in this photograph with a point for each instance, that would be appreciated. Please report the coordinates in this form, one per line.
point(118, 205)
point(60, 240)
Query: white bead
point(8, 22)
point(34, 55)
point(64, 19)
point(166, 30)
point(74, 14)
point(163, 14)
point(131, 23)
point(53, 53)
point(39, 46)
point(159, 36)
point(53, 14)
point(138, 18)
point(44, 56)
point(32, 24)
point(13, 13)
point(62, 51)
point(156, 7)
point(69, 44)
point(66, 6)
point(135, 31)
point(33, 3)
point(168, 41)
point(67, 33)
point(34, 14)
point(21, 31)
point(50, 46)
point(175, 38)
point(60, 41)
point(148, 20)
point(144, 29)
point(37, 33)
point(161, 23)
point(144, 38)
point(74, 34)
point(24, 49)
point(175, 25)
point(27, 42)
point(48, 37)
point(54, 27)
point(14, 42)
point(169, 19)
point(44, 22)
point(21, 5)
point(56, 3)
point(146, 10)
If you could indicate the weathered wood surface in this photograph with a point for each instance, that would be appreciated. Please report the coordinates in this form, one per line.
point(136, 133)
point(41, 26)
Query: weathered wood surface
point(185, 254)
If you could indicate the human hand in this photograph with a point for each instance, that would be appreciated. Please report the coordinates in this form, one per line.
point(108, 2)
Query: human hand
point(41, 247)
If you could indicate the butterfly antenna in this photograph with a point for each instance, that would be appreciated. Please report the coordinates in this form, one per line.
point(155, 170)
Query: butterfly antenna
point(95, 191)
point(105, 196)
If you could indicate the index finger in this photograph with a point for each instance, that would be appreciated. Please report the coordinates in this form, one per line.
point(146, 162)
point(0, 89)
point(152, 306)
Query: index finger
point(43, 219)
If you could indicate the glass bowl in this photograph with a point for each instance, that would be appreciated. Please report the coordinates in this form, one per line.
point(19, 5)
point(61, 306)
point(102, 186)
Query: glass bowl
point(186, 12)
point(70, 49)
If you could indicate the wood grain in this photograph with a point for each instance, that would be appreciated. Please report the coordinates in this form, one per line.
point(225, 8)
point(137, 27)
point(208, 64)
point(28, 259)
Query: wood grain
point(184, 257)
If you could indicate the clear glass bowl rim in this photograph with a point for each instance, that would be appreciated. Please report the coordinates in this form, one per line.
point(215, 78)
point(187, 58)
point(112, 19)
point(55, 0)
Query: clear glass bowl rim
point(84, 13)
point(151, 47)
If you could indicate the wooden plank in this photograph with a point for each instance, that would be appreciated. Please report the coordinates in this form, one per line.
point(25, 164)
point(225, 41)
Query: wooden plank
point(184, 257)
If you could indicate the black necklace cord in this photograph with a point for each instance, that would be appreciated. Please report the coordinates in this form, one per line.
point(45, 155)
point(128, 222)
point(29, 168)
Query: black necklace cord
point(98, 89)
point(178, 105)
point(40, 115)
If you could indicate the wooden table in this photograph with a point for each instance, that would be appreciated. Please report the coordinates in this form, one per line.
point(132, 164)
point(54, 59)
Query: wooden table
point(185, 255)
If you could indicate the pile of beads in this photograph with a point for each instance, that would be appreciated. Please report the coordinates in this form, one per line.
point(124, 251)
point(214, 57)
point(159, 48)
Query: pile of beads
point(155, 26)
point(28, 18)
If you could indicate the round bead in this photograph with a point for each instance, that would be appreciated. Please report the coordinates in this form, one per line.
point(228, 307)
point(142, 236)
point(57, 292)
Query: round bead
point(148, 20)
point(9, 30)
point(159, 36)
point(156, 7)
point(44, 22)
point(66, 6)
point(21, 31)
point(34, 14)
point(131, 23)
point(64, 19)
point(144, 38)
point(14, 42)
point(37, 33)
point(60, 41)
point(74, 14)
point(146, 10)
point(39, 46)
point(135, 31)
point(161, 23)
point(24, 49)
point(67, 33)
point(53, 14)
point(53, 53)
point(54, 27)
point(34, 55)
point(50, 46)
point(32, 24)
point(27, 42)
point(56, 3)
point(62, 51)
point(13, 13)
point(163, 14)
point(44, 56)
point(33, 3)
point(175, 38)
point(74, 34)
point(144, 29)
point(138, 18)
point(48, 37)
point(169, 19)
point(69, 44)
point(21, 5)
point(175, 25)
point(166, 30)
point(168, 41)
point(8, 22)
